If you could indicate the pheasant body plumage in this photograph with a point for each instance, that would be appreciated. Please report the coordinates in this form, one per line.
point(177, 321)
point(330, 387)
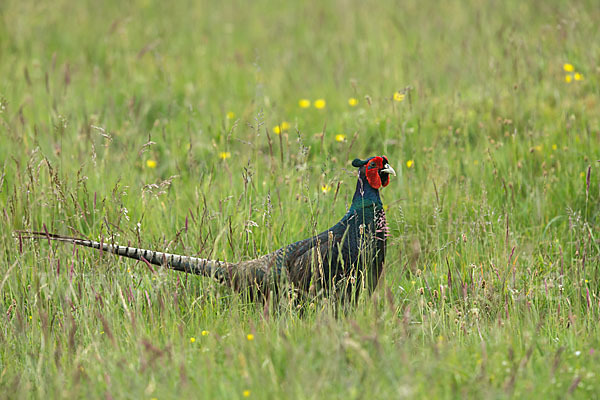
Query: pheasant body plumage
point(344, 259)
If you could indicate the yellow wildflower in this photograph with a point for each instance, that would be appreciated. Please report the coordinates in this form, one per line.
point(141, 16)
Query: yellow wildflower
point(304, 103)
point(192, 339)
point(398, 96)
point(204, 333)
point(554, 147)
point(325, 188)
point(151, 164)
point(250, 337)
point(320, 103)
point(352, 101)
point(224, 155)
point(409, 163)
point(578, 76)
point(246, 393)
point(568, 67)
point(284, 126)
point(582, 174)
point(230, 115)
point(568, 78)
point(340, 138)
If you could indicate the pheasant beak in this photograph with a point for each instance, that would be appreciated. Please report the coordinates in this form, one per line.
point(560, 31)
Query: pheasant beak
point(388, 169)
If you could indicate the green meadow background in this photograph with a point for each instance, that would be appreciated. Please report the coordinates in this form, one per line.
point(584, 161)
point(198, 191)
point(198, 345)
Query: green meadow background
point(178, 126)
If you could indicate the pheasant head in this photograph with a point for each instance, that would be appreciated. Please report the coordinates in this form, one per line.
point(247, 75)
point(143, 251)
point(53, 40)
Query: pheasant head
point(376, 170)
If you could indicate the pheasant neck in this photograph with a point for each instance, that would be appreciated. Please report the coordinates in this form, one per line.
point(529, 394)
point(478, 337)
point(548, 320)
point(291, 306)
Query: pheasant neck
point(365, 196)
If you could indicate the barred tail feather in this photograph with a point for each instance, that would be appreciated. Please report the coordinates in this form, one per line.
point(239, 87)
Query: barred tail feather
point(192, 265)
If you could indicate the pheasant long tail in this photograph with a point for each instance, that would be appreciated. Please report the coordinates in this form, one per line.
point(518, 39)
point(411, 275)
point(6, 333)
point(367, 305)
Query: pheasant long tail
point(192, 265)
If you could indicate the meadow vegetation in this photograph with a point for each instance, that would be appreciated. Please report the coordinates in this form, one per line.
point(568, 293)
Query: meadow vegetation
point(226, 130)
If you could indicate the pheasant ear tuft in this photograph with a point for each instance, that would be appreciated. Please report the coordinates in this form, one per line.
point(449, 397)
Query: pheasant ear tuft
point(358, 162)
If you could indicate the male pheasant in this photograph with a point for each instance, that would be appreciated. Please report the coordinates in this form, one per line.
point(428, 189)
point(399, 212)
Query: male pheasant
point(344, 259)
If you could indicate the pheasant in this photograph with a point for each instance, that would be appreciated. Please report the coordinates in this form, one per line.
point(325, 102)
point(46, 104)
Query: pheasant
point(345, 258)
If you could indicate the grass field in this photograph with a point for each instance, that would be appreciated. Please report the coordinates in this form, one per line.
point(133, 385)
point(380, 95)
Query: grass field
point(182, 127)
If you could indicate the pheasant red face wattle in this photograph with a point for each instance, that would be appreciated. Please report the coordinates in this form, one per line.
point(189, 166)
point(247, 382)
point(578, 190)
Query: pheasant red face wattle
point(378, 172)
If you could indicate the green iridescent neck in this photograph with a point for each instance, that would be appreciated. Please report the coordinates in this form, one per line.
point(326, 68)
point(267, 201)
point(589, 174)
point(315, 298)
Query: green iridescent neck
point(365, 196)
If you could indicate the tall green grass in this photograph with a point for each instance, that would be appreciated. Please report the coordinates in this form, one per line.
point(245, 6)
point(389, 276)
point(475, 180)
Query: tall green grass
point(154, 124)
